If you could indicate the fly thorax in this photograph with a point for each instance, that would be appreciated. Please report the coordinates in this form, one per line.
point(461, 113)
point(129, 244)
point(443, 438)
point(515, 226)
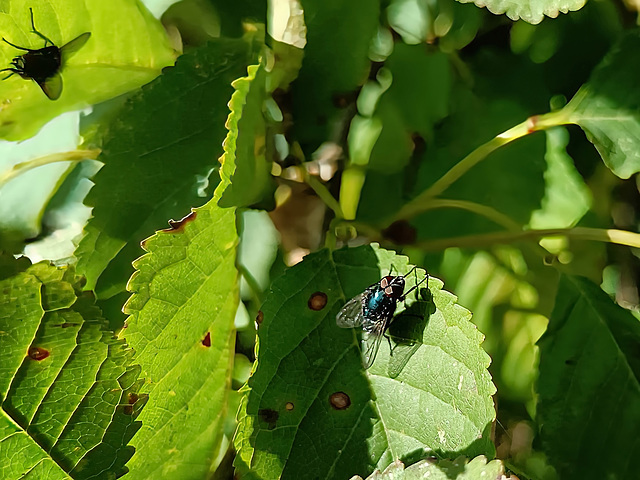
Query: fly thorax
point(392, 287)
point(375, 300)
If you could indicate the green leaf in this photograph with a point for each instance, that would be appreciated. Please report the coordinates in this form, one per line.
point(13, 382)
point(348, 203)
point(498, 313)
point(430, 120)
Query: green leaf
point(417, 98)
point(531, 11)
point(309, 375)
point(607, 107)
point(245, 172)
point(119, 57)
point(451, 24)
point(458, 469)
point(588, 386)
point(159, 157)
point(567, 198)
point(69, 395)
point(509, 291)
point(335, 62)
point(181, 324)
point(514, 171)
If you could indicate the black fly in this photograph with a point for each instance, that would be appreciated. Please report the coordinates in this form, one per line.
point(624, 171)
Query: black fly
point(374, 309)
point(43, 65)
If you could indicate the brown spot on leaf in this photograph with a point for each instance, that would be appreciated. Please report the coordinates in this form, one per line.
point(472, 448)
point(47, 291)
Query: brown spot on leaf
point(178, 226)
point(37, 353)
point(339, 401)
point(259, 317)
point(289, 406)
point(269, 416)
point(317, 301)
point(206, 341)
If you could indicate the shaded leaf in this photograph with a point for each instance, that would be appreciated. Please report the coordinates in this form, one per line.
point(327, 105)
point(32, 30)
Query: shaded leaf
point(588, 386)
point(417, 98)
point(182, 310)
point(514, 171)
point(309, 375)
point(607, 107)
point(531, 11)
point(159, 156)
point(335, 62)
point(119, 56)
point(69, 395)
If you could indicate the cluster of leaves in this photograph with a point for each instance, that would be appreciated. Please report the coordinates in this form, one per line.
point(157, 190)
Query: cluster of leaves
point(350, 123)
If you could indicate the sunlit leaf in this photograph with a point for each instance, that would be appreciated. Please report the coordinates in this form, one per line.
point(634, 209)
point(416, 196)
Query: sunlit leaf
point(245, 171)
point(118, 57)
point(458, 469)
point(181, 324)
point(531, 11)
point(607, 107)
point(431, 397)
point(69, 395)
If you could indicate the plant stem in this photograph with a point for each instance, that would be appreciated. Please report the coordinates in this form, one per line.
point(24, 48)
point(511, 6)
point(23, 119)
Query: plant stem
point(488, 212)
point(619, 237)
point(71, 156)
point(482, 210)
point(322, 192)
point(253, 284)
point(532, 124)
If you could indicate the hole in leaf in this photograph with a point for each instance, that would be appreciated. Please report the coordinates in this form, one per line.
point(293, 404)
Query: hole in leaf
point(259, 317)
point(206, 341)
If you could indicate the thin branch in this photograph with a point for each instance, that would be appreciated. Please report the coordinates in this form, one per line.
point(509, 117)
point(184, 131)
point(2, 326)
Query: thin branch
point(71, 156)
point(532, 124)
point(620, 237)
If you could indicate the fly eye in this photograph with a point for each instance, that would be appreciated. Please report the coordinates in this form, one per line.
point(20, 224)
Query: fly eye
point(384, 283)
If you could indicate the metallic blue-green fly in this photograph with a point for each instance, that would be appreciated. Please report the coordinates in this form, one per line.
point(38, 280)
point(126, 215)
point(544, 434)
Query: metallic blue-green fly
point(373, 309)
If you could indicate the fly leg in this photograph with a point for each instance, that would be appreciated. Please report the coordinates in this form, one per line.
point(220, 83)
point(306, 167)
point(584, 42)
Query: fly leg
point(426, 278)
point(12, 70)
point(34, 30)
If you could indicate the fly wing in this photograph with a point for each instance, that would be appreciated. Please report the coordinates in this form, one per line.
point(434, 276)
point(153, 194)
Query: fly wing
point(74, 45)
point(350, 315)
point(371, 342)
point(51, 86)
